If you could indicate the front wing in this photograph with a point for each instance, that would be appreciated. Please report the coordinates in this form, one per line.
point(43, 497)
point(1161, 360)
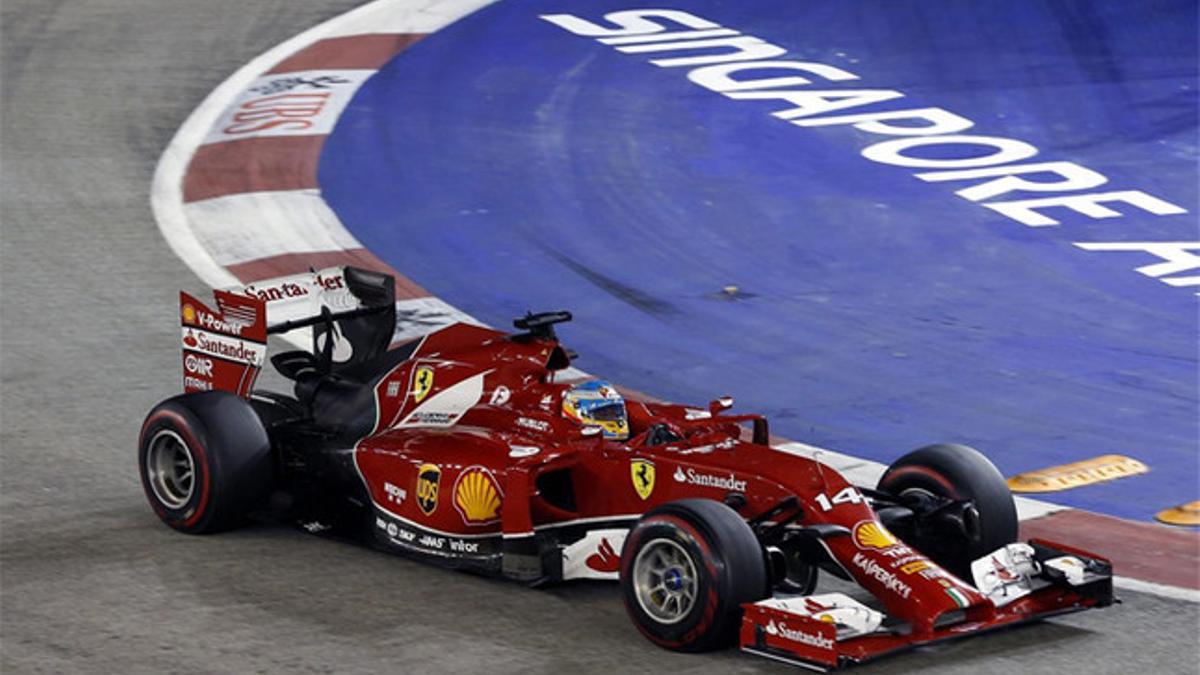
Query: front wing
point(832, 631)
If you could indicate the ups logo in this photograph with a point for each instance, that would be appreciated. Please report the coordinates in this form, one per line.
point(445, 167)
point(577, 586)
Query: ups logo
point(428, 477)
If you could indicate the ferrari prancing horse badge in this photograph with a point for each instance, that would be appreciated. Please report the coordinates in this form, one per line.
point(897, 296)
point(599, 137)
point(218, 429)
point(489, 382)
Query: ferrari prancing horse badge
point(422, 383)
point(642, 473)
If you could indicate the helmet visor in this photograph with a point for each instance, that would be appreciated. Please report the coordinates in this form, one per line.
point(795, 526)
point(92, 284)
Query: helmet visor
point(604, 411)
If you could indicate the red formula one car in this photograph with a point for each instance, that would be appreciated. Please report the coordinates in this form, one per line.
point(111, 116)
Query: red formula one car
point(464, 448)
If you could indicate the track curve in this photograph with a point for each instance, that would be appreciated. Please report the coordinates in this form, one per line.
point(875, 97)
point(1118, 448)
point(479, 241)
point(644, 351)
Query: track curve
point(91, 582)
point(874, 311)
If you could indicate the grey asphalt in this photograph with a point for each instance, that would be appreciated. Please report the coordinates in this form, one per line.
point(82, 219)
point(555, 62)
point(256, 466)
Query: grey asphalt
point(90, 581)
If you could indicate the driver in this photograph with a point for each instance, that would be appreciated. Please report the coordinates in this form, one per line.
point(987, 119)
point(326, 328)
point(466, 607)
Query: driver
point(597, 403)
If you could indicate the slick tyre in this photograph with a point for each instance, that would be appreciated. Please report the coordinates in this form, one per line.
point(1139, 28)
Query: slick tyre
point(686, 568)
point(205, 461)
point(961, 473)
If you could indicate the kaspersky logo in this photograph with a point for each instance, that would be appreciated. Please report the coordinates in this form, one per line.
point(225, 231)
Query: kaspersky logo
point(811, 639)
point(883, 576)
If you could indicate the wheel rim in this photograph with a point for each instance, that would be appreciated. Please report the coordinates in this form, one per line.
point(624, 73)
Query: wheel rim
point(665, 582)
point(170, 469)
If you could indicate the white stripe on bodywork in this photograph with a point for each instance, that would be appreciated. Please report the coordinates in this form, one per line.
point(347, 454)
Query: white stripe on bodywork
point(444, 408)
point(575, 555)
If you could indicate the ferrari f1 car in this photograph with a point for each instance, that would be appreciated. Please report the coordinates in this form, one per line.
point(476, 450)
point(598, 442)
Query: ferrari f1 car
point(469, 448)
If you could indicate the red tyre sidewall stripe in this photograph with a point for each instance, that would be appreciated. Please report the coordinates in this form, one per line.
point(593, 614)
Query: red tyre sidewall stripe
point(711, 599)
point(927, 473)
point(692, 532)
point(182, 427)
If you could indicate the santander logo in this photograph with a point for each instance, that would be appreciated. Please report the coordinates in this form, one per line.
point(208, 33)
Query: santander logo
point(693, 477)
point(811, 639)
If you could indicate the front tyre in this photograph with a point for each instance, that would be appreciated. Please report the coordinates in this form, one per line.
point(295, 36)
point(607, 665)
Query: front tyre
point(204, 460)
point(962, 474)
point(686, 568)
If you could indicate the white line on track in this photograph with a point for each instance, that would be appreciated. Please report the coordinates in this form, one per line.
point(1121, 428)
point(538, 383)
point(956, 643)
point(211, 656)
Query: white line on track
point(1161, 590)
point(425, 16)
point(166, 194)
point(867, 472)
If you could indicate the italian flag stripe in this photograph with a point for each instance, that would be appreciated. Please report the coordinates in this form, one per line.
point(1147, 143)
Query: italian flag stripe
point(959, 598)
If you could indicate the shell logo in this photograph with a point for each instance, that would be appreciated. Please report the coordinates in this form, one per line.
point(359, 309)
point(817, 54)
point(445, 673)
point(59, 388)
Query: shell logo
point(477, 496)
point(869, 534)
point(189, 314)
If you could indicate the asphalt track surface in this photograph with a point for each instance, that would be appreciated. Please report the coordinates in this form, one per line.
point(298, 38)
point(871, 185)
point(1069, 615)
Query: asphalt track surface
point(90, 581)
point(875, 312)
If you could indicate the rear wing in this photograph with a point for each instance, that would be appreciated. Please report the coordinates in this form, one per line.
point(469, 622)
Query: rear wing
point(223, 348)
point(350, 314)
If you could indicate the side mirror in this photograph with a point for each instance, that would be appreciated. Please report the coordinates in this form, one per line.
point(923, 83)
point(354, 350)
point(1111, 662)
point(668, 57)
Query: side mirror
point(588, 432)
point(717, 405)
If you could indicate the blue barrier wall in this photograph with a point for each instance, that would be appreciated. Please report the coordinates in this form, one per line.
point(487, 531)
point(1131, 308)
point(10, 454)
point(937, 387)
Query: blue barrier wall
point(507, 164)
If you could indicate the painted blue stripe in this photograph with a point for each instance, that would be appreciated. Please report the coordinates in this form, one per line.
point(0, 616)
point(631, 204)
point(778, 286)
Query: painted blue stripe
point(506, 165)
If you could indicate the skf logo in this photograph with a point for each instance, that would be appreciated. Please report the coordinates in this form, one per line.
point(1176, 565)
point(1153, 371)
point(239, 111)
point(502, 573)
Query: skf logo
point(477, 496)
point(427, 487)
point(642, 473)
point(869, 534)
point(422, 383)
point(189, 313)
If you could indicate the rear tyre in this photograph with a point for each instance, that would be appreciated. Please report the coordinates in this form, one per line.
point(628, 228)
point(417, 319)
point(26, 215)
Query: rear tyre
point(205, 461)
point(960, 473)
point(686, 568)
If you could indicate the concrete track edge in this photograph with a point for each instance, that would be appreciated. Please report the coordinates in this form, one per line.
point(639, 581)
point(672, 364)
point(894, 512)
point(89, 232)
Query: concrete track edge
point(424, 16)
